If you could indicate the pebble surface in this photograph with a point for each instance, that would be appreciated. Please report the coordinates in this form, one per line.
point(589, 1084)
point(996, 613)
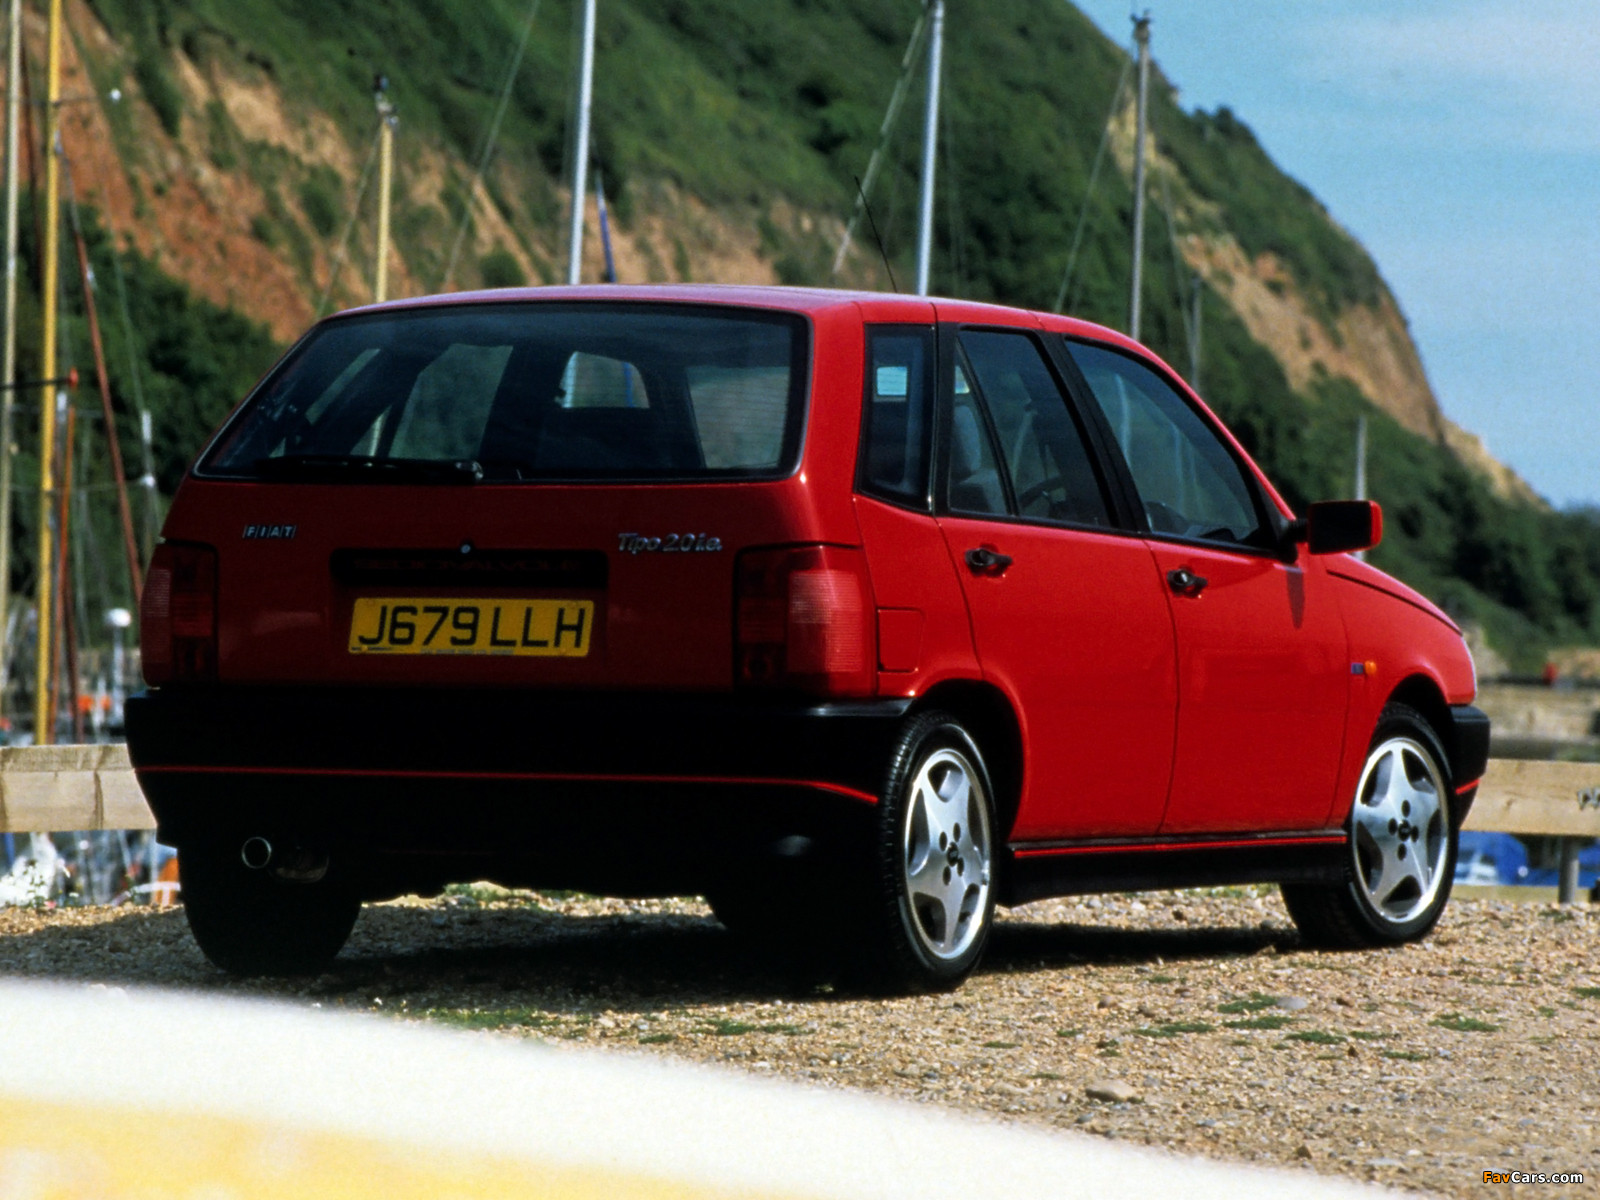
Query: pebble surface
point(1192, 1021)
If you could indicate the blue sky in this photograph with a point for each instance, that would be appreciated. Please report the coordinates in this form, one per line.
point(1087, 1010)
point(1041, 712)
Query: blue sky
point(1459, 140)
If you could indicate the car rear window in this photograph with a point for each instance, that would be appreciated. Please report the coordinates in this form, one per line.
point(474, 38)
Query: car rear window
point(529, 392)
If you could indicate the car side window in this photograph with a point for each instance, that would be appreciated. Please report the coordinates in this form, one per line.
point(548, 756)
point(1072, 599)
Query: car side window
point(1189, 483)
point(975, 482)
point(897, 436)
point(1042, 451)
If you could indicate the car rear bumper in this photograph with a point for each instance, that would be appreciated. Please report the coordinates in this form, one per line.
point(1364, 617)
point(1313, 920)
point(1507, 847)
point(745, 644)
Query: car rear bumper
point(654, 788)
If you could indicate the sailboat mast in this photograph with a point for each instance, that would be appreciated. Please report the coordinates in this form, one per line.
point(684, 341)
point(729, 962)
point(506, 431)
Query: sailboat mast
point(930, 149)
point(1141, 35)
point(386, 119)
point(44, 719)
point(8, 363)
point(1197, 313)
point(580, 153)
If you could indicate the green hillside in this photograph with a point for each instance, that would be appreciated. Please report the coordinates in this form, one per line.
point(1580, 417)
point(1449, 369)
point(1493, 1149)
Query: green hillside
point(765, 114)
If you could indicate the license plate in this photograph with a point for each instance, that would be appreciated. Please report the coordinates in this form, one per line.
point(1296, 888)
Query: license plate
point(539, 628)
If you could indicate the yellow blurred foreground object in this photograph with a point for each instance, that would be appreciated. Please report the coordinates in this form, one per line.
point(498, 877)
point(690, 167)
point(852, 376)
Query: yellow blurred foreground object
point(113, 1095)
point(67, 1152)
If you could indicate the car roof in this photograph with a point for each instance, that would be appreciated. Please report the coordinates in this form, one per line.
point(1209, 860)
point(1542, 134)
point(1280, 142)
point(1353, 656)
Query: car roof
point(884, 305)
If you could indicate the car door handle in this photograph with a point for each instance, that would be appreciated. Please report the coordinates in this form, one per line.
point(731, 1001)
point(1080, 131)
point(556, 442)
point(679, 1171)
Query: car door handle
point(1185, 582)
point(984, 561)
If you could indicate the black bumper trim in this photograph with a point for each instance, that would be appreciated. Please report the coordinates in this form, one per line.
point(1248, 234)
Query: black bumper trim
point(207, 757)
point(1469, 746)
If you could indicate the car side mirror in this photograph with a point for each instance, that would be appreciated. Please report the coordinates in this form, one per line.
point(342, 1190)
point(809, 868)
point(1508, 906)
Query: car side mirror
point(1339, 526)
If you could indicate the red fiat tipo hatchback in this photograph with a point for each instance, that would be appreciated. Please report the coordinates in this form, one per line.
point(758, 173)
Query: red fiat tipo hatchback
point(858, 614)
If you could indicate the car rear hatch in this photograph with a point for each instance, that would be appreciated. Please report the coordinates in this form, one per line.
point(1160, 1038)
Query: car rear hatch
point(544, 494)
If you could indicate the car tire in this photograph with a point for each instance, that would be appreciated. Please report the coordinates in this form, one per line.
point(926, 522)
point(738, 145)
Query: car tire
point(1403, 833)
point(931, 899)
point(257, 922)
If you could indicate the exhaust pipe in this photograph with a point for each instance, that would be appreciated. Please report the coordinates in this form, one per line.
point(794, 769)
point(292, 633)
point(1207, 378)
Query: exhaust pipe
point(256, 853)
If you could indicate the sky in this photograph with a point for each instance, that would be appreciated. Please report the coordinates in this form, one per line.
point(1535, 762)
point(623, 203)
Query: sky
point(1459, 140)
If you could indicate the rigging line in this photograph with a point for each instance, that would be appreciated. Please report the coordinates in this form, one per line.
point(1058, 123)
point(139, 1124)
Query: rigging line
point(1094, 178)
point(350, 224)
point(893, 286)
point(488, 143)
point(130, 348)
point(890, 117)
point(1178, 265)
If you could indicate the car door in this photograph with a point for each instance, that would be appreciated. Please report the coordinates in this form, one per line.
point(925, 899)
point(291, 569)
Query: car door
point(1068, 615)
point(1263, 676)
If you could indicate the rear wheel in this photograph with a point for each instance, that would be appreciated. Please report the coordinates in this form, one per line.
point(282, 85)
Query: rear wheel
point(1402, 848)
point(932, 902)
point(288, 917)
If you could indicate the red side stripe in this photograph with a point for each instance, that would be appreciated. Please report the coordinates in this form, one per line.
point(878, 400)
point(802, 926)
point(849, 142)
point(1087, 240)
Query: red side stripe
point(534, 776)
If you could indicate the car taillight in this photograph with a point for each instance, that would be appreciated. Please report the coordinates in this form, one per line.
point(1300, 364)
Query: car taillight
point(178, 615)
point(805, 621)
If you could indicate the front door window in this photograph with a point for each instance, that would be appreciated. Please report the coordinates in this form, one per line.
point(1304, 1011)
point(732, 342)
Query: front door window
point(1191, 486)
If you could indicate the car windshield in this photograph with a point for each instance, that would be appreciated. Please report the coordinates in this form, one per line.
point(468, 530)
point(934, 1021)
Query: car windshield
point(529, 392)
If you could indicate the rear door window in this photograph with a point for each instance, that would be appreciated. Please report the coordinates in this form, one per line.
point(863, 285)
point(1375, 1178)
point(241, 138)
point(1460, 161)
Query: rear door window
point(1043, 459)
point(530, 392)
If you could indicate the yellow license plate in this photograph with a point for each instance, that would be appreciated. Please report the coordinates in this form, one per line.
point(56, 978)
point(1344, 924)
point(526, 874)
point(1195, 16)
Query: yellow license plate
point(401, 625)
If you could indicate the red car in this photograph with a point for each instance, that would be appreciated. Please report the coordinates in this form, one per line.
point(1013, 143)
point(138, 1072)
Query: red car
point(856, 613)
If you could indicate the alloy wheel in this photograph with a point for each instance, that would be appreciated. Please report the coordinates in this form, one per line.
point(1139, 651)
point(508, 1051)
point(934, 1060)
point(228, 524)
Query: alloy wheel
point(947, 855)
point(1398, 836)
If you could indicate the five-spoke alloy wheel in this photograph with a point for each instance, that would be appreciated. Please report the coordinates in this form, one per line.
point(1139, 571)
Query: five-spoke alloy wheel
point(1403, 837)
point(947, 859)
point(935, 874)
point(1398, 829)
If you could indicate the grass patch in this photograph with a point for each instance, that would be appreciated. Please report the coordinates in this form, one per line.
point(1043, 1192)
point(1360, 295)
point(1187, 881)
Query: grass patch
point(1256, 1002)
point(492, 1018)
point(1259, 1023)
point(1406, 1055)
point(1174, 1029)
point(1046, 1075)
point(1546, 1011)
point(1556, 914)
point(1368, 1035)
point(727, 1028)
point(1457, 1023)
point(1587, 993)
point(1163, 979)
point(1000, 1045)
point(657, 1039)
point(1069, 1033)
point(483, 893)
point(1317, 1037)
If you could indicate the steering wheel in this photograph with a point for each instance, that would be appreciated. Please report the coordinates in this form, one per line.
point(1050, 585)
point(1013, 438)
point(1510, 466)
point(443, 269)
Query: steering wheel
point(1028, 497)
point(1166, 519)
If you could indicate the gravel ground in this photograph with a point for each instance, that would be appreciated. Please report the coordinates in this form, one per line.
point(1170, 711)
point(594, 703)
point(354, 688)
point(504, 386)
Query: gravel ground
point(1186, 1020)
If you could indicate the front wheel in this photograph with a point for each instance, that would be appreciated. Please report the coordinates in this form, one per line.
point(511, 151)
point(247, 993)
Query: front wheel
point(289, 916)
point(1402, 847)
point(934, 880)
